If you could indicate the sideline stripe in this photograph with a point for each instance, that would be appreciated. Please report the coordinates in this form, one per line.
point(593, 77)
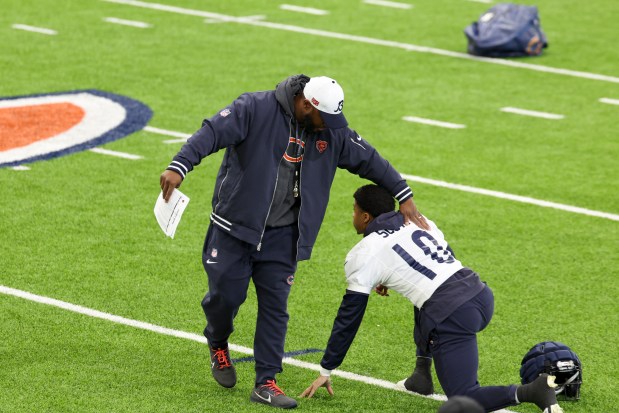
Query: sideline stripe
point(517, 198)
point(432, 122)
point(389, 4)
point(113, 318)
point(201, 339)
point(533, 113)
point(287, 354)
point(308, 10)
point(363, 39)
point(34, 29)
point(609, 101)
point(117, 154)
point(124, 22)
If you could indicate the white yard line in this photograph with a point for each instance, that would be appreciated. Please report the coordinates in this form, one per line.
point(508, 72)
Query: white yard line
point(200, 339)
point(511, 197)
point(363, 39)
point(392, 4)
point(166, 132)
point(432, 122)
point(34, 29)
point(482, 1)
point(172, 141)
point(536, 114)
point(609, 101)
point(308, 10)
point(115, 153)
point(20, 168)
point(183, 136)
point(254, 17)
point(124, 22)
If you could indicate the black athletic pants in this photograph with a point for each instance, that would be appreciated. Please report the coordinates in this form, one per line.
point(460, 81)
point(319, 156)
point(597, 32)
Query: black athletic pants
point(230, 263)
point(453, 344)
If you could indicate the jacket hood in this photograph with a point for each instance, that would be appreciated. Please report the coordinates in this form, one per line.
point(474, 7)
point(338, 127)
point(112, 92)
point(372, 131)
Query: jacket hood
point(389, 220)
point(287, 89)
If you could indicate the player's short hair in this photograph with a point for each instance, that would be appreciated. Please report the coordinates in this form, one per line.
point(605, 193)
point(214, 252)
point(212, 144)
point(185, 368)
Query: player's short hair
point(374, 200)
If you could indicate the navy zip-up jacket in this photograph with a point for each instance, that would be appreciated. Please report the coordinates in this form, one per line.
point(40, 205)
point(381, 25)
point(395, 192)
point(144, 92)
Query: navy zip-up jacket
point(256, 129)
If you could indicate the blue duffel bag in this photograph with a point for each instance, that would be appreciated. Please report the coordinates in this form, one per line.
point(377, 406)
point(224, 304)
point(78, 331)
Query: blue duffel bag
point(506, 30)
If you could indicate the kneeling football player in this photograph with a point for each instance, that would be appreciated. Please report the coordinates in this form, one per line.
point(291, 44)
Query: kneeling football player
point(453, 303)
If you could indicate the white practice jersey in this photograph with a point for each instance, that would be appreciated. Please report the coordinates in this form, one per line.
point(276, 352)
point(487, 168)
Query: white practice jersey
point(411, 261)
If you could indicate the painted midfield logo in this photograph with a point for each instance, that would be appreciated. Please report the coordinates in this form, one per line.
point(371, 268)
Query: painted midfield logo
point(45, 126)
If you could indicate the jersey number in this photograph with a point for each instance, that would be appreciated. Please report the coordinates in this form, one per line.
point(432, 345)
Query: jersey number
point(433, 251)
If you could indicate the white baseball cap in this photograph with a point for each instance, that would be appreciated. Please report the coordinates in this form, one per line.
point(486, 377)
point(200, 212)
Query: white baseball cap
point(326, 95)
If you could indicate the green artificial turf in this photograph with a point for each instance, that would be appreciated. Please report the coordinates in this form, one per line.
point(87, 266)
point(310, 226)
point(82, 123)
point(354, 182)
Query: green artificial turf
point(81, 229)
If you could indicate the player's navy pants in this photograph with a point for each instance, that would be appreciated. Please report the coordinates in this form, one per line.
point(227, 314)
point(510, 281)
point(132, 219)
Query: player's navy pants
point(454, 349)
point(230, 263)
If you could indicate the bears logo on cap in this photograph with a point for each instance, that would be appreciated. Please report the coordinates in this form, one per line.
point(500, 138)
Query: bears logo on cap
point(326, 95)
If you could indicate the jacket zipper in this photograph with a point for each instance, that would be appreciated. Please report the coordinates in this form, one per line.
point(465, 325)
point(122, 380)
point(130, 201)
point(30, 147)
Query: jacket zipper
point(301, 195)
point(219, 191)
point(270, 205)
point(274, 190)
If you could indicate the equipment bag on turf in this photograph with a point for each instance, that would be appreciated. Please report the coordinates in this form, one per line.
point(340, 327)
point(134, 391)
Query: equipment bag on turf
point(506, 30)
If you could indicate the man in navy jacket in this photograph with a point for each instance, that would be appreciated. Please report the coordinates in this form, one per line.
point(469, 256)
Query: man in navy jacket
point(283, 148)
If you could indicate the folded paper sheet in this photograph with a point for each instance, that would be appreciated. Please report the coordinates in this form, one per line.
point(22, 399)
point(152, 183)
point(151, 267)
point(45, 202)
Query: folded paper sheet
point(169, 213)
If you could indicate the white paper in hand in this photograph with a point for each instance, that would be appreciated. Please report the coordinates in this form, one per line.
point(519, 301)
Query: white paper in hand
point(169, 213)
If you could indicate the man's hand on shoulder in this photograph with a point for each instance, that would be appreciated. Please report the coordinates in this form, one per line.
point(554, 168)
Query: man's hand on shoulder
point(381, 290)
point(169, 180)
point(411, 214)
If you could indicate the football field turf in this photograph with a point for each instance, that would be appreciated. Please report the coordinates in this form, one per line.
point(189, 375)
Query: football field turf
point(528, 201)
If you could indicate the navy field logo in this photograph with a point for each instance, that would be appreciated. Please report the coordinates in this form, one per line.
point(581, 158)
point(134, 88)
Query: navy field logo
point(45, 126)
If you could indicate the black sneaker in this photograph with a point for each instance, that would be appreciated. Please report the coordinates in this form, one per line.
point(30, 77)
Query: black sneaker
point(269, 393)
point(421, 379)
point(540, 391)
point(221, 366)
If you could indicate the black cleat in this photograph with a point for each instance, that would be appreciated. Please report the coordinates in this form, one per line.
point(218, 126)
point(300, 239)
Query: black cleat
point(269, 393)
point(540, 391)
point(421, 379)
point(221, 366)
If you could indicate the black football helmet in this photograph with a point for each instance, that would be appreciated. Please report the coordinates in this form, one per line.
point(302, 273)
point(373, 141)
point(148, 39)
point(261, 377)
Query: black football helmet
point(555, 359)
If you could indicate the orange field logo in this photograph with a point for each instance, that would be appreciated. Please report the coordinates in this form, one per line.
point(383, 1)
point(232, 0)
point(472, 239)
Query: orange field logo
point(39, 127)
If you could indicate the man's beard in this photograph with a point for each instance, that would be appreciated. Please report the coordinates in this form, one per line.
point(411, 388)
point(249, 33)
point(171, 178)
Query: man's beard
point(307, 125)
